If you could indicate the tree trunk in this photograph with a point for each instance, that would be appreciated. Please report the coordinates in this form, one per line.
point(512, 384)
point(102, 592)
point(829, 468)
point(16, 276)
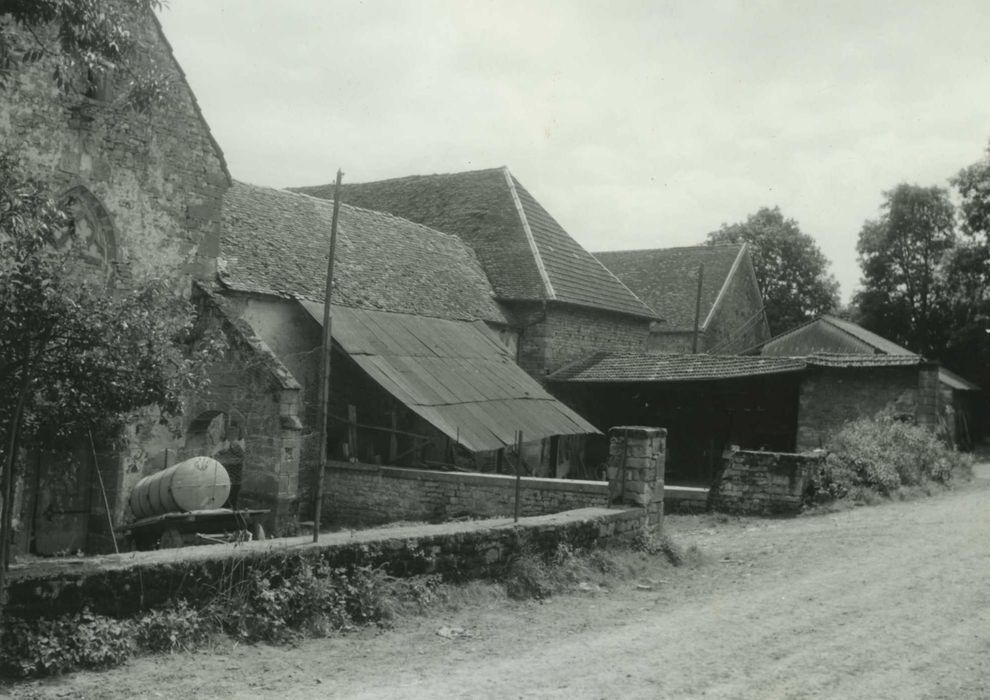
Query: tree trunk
point(10, 460)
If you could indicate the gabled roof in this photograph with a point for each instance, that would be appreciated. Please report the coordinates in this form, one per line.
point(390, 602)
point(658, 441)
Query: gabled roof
point(828, 334)
point(277, 242)
point(525, 252)
point(453, 374)
point(667, 278)
point(608, 367)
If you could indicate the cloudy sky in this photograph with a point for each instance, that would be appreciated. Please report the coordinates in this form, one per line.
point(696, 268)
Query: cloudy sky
point(636, 124)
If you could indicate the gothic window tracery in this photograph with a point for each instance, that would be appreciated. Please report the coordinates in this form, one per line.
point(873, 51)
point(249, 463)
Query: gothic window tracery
point(92, 230)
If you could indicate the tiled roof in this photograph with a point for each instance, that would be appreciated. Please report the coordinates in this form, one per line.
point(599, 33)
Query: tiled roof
point(829, 334)
point(652, 367)
point(824, 359)
point(667, 278)
point(525, 252)
point(277, 242)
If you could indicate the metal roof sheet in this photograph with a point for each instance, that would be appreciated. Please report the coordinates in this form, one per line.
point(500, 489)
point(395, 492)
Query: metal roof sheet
point(454, 374)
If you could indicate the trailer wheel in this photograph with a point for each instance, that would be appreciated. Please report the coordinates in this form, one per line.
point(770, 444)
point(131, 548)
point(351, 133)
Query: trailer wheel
point(170, 539)
point(257, 532)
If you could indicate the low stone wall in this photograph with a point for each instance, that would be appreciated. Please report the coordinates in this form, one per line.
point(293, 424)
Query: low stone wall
point(121, 585)
point(763, 483)
point(368, 494)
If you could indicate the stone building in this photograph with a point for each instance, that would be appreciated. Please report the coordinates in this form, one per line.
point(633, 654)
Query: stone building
point(730, 317)
point(864, 380)
point(146, 190)
point(422, 371)
point(561, 303)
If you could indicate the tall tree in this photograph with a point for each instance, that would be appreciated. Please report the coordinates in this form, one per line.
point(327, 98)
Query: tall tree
point(973, 185)
point(792, 271)
point(902, 255)
point(968, 276)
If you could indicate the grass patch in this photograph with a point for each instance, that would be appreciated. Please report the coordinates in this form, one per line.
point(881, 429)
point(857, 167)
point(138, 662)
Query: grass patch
point(532, 576)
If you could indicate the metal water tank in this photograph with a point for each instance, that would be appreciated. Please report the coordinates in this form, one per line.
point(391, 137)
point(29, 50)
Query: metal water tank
point(199, 483)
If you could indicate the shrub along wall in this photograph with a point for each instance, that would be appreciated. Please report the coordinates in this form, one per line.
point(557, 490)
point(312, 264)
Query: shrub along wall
point(760, 483)
point(122, 585)
point(367, 494)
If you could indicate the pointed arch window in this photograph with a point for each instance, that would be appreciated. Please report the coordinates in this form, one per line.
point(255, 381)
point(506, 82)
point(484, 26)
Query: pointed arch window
point(93, 230)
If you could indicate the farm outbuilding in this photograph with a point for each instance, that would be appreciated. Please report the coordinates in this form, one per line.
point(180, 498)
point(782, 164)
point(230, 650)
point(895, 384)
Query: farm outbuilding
point(705, 402)
point(958, 398)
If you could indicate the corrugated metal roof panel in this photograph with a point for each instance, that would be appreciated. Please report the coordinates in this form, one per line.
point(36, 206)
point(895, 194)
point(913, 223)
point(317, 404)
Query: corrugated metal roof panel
point(454, 374)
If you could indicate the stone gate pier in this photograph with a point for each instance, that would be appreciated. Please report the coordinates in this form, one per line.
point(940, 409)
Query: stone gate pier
point(636, 460)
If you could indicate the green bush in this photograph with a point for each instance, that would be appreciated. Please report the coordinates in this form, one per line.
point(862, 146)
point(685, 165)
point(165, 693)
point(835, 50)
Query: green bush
point(286, 601)
point(177, 627)
point(883, 454)
point(50, 647)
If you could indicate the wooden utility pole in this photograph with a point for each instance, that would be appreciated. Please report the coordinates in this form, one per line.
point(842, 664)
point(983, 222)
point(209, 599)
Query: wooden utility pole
point(697, 310)
point(325, 363)
point(519, 443)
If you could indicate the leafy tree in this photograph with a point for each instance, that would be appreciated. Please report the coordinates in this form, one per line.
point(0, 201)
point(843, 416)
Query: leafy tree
point(968, 276)
point(83, 43)
point(791, 269)
point(902, 254)
point(973, 185)
point(78, 359)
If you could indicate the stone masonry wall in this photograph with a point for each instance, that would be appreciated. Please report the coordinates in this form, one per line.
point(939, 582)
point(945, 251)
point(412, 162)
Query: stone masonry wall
point(636, 460)
point(122, 585)
point(763, 483)
point(366, 494)
point(830, 397)
point(553, 336)
point(159, 176)
point(261, 401)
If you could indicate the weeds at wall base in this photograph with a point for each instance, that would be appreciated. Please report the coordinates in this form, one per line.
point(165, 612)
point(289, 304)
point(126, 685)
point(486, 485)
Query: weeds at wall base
point(281, 607)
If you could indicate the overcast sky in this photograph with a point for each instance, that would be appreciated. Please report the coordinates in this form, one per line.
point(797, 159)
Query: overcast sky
point(636, 124)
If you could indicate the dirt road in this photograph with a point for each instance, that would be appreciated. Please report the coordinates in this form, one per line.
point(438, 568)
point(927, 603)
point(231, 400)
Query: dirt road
point(890, 601)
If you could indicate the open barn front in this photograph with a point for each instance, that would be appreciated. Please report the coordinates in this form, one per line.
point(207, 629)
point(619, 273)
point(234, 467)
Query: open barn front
point(424, 390)
point(705, 404)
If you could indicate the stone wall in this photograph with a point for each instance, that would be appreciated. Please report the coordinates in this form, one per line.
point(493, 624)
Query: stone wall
point(661, 340)
point(249, 410)
point(832, 396)
point(153, 180)
point(763, 483)
point(555, 334)
point(122, 585)
point(367, 494)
